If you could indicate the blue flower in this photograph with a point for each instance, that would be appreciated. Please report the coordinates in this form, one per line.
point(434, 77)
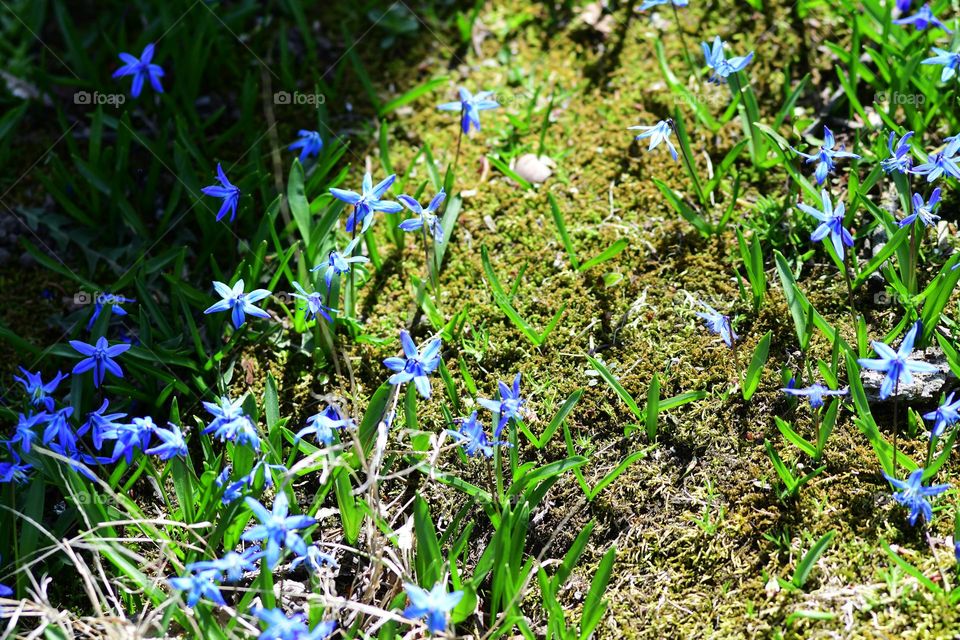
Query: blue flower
point(717, 323)
point(314, 560)
point(227, 191)
point(657, 133)
point(717, 61)
point(58, 428)
point(111, 300)
point(472, 437)
point(825, 156)
point(649, 4)
point(941, 162)
point(913, 495)
point(24, 435)
point(129, 438)
point(277, 528)
point(141, 70)
point(425, 217)
point(199, 585)
point(507, 407)
point(831, 223)
point(239, 304)
point(945, 415)
point(365, 203)
point(315, 303)
point(815, 393)
point(434, 605)
point(172, 445)
point(231, 423)
point(99, 423)
point(923, 211)
point(280, 627)
point(323, 424)
point(470, 107)
point(338, 262)
point(38, 390)
point(949, 60)
point(900, 159)
point(416, 365)
point(13, 471)
point(897, 364)
point(231, 566)
point(310, 144)
point(923, 19)
point(99, 358)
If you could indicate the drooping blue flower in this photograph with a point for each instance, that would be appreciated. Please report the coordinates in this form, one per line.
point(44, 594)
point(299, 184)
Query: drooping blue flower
point(59, 428)
point(896, 364)
point(657, 133)
point(649, 4)
point(913, 495)
point(315, 303)
point(172, 444)
point(434, 605)
point(107, 300)
point(941, 162)
point(130, 438)
point(470, 107)
point(199, 585)
point(507, 407)
point(923, 210)
point(923, 19)
point(99, 422)
point(425, 216)
point(900, 160)
point(226, 190)
point(365, 203)
point(314, 560)
point(831, 223)
point(230, 423)
point(38, 390)
point(14, 471)
point(280, 627)
point(944, 416)
point(310, 144)
point(950, 60)
point(141, 69)
point(815, 393)
point(338, 262)
point(232, 566)
point(415, 365)
point(825, 156)
point(234, 491)
point(323, 424)
point(24, 434)
point(716, 60)
point(717, 323)
point(473, 439)
point(277, 528)
point(239, 304)
point(99, 358)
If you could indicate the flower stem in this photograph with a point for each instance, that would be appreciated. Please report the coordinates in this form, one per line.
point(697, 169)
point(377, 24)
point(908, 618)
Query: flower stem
point(688, 161)
point(896, 415)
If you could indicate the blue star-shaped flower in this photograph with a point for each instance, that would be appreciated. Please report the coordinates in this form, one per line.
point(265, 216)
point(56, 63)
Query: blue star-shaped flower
point(226, 190)
point(230, 423)
point(172, 443)
point(38, 390)
point(314, 560)
point(470, 107)
point(507, 407)
point(900, 159)
point(815, 393)
point(280, 627)
point(472, 437)
point(323, 424)
point(111, 300)
point(24, 434)
point(338, 262)
point(923, 19)
point(99, 358)
point(99, 422)
point(434, 605)
point(941, 162)
point(141, 70)
point(717, 323)
point(831, 223)
point(913, 495)
point(239, 304)
point(277, 528)
point(897, 364)
point(310, 144)
point(425, 216)
point(950, 60)
point(657, 133)
point(365, 203)
point(923, 210)
point(199, 585)
point(231, 566)
point(716, 60)
point(415, 365)
point(945, 415)
point(825, 156)
point(315, 303)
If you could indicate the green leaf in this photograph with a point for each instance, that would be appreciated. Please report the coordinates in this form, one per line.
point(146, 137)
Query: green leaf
point(912, 570)
point(795, 437)
point(653, 408)
point(686, 211)
point(805, 566)
point(562, 230)
point(594, 606)
point(429, 560)
point(297, 198)
point(608, 254)
point(617, 387)
point(882, 256)
point(760, 354)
